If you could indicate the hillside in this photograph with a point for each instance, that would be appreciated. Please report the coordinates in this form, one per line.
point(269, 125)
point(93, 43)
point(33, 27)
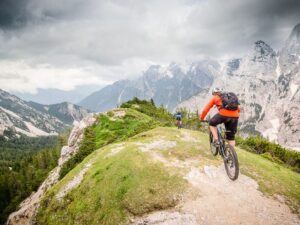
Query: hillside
point(24, 164)
point(19, 117)
point(127, 169)
point(171, 174)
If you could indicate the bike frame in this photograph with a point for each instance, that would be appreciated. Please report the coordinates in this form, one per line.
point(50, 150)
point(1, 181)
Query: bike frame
point(221, 133)
point(222, 150)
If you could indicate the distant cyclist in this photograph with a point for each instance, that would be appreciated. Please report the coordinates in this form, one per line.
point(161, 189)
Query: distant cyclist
point(229, 112)
point(178, 116)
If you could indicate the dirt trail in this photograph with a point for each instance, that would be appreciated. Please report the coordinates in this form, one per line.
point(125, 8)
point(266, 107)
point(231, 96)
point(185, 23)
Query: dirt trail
point(214, 199)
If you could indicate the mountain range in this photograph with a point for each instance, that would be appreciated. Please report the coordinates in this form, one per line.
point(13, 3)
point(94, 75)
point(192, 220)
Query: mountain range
point(54, 96)
point(123, 167)
point(266, 81)
point(167, 85)
point(33, 119)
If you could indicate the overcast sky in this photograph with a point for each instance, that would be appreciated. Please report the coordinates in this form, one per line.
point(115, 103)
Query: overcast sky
point(66, 43)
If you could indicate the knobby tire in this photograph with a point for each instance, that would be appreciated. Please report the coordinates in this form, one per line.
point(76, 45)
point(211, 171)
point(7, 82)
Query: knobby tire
point(230, 149)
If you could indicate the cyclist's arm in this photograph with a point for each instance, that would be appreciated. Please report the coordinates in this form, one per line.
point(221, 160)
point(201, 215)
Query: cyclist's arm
point(207, 108)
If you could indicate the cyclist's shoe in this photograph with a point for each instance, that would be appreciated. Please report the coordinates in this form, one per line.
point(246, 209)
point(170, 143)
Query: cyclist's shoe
point(216, 143)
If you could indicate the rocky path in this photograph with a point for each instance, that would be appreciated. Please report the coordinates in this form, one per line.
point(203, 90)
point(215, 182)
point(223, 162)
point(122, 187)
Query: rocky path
point(214, 199)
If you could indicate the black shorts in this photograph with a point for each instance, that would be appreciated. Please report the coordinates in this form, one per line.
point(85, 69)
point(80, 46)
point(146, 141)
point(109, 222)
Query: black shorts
point(229, 122)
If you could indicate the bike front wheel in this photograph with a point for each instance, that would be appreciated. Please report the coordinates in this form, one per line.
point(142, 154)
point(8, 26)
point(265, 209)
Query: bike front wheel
point(231, 162)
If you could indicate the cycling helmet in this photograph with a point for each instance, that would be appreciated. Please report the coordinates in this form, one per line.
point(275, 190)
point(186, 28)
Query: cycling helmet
point(217, 90)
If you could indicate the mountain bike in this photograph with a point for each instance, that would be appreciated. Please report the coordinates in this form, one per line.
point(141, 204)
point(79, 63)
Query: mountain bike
point(179, 124)
point(226, 151)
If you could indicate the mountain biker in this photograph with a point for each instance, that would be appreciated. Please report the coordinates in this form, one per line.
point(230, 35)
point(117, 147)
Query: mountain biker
point(178, 116)
point(228, 117)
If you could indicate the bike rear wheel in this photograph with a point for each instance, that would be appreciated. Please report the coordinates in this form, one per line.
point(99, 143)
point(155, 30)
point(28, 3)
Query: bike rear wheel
point(231, 162)
point(213, 149)
point(179, 124)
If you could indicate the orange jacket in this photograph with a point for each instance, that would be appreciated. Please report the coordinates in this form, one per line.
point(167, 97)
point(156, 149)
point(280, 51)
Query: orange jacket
point(216, 100)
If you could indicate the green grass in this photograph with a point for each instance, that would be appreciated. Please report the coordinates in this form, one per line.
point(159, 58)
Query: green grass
point(108, 129)
point(197, 147)
point(272, 151)
point(160, 114)
point(128, 183)
point(134, 122)
point(272, 177)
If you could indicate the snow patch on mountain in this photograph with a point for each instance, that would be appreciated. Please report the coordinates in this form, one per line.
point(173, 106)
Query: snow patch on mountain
point(120, 96)
point(36, 131)
point(165, 71)
point(278, 71)
point(294, 88)
point(10, 113)
point(2, 129)
point(272, 133)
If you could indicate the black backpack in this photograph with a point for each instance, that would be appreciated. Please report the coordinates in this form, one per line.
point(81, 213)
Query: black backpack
point(230, 101)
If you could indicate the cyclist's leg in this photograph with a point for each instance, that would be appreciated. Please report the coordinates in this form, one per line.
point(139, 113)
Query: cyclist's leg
point(231, 126)
point(217, 119)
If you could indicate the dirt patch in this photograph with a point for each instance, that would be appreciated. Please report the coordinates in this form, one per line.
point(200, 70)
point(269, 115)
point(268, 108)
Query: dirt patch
point(216, 199)
point(117, 148)
point(74, 182)
point(188, 137)
point(237, 202)
point(167, 218)
point(157, 144)
point(118, 113)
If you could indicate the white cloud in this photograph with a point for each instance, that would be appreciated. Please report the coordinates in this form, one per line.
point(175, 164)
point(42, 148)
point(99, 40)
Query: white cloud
point(24, 78)
point(64, 44)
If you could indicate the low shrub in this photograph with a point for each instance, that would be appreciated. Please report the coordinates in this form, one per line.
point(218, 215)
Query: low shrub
point(276, 152)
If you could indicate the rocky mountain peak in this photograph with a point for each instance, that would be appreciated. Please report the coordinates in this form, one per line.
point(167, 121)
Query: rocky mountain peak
point(292, 45)
point(261, 51)
point(154, 72)
point(296, 32)
point(8, 96)
point(232, 66)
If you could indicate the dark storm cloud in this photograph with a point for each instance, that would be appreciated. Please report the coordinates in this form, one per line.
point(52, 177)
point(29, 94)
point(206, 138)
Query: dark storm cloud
point(230, 27)
point(13, 13)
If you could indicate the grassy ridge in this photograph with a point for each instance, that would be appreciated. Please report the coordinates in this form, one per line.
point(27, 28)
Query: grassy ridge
point(115, 187)
point(130, 182)
point(159, 114)
point(108, 129)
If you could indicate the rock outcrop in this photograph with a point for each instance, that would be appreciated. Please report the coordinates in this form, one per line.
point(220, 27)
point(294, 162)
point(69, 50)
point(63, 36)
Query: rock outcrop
point(28, 208)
